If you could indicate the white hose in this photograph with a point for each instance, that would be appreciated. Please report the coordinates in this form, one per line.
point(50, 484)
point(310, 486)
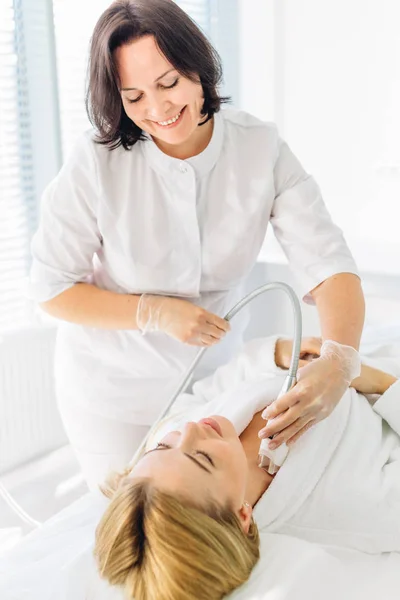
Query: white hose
point(16, 507)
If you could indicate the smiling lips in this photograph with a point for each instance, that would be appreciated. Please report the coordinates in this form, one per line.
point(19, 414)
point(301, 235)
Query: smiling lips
point(212, 423)
point(171, 121)
point(163, 123)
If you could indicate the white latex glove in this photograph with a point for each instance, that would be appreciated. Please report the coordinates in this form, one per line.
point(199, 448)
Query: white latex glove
point(180, 319)
point(320, 385)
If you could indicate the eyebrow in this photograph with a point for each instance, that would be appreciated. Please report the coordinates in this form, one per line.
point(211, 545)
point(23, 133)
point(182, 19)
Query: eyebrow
point(155, 81)
point(188, 455)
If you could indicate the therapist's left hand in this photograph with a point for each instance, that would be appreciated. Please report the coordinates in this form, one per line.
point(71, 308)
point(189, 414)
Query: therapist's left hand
point(320, 385)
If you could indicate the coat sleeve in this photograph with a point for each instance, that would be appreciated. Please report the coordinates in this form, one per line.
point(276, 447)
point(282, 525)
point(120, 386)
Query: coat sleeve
point(313, 244)
point(388, 406)
point(68, 236)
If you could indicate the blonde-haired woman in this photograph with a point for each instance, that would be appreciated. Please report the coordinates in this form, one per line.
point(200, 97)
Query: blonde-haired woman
point(180, 522)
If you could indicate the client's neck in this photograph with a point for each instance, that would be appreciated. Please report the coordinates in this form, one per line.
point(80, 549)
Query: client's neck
point(258, 479)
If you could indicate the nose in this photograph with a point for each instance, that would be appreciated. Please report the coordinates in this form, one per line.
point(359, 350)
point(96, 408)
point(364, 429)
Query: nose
point(191, 433)
point(156, 107)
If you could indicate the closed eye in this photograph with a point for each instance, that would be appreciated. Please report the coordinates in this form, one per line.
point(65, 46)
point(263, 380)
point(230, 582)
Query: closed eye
point(208, 457)
point(164, 87)
point(134, 100)
point(169, 87)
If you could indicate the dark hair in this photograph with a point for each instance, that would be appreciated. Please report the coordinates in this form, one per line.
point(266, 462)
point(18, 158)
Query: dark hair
point(179, 39)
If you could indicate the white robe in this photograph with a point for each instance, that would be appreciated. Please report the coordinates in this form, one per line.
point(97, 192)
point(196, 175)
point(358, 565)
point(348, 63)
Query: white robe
point(340, 484)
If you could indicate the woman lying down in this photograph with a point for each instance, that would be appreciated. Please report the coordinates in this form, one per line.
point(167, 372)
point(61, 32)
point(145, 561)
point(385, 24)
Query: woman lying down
point(184, 522)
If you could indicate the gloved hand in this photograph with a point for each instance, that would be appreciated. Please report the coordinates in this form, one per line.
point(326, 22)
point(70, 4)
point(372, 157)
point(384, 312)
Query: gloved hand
point(320, 385)
point(180, 319)
point(370, 381)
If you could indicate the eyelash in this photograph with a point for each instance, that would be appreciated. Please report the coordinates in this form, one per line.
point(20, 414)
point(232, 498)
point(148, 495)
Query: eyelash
point(164, 87)
point(161, 445)
point(169, 87)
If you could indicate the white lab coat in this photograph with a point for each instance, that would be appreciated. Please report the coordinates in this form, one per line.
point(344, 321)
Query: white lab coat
point(140, 221)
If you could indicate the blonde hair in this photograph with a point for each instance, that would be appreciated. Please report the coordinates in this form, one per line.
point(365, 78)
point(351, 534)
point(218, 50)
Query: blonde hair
point(160, 547)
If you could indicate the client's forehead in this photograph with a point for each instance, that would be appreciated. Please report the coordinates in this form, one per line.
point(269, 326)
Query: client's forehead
point(174, 471)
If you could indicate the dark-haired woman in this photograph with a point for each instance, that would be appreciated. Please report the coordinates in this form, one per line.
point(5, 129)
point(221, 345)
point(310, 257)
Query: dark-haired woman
point(151, 226)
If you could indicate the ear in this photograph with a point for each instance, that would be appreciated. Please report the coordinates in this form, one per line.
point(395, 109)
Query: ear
point(245, 513)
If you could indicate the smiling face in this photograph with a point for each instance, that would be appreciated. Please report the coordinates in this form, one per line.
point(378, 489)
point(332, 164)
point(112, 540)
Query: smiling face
point(159, 100)
point(200, 464)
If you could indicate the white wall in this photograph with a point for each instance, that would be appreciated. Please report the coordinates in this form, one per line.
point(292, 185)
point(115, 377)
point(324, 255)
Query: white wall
point(330, 78)
point(257, 68)
point(340, 96)
point(272, 313)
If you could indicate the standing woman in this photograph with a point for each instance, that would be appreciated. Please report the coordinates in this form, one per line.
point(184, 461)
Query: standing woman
point(149, 230)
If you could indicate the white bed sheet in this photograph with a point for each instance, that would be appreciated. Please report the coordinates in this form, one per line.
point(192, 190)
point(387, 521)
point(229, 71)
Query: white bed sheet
point(55, 562)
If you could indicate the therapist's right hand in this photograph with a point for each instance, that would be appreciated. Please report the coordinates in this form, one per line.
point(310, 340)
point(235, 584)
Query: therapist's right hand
point(180, 319)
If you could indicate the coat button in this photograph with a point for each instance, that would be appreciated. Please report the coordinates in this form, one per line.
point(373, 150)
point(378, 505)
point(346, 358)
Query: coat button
point(183, 168)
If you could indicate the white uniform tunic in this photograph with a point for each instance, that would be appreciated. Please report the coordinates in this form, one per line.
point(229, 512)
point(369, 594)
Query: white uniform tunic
point(141, 221)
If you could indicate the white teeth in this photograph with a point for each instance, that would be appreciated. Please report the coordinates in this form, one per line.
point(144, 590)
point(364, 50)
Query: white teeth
point(164, 123)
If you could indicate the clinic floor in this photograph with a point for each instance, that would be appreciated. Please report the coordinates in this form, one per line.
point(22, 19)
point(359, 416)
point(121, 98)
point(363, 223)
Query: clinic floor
point(42, 488)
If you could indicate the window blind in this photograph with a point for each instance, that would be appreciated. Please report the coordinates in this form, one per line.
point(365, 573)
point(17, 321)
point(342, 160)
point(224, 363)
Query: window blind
point(17, 197)
point(74, 22)
point(199, 11)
